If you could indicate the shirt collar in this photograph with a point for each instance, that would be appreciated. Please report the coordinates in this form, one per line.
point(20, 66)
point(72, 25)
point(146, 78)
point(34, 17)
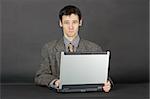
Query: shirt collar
point(74, 42)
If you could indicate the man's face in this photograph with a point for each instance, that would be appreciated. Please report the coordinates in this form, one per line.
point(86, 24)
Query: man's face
point(70, 25)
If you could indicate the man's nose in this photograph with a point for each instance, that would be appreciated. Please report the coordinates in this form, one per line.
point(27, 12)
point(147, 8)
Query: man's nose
point(70, 26)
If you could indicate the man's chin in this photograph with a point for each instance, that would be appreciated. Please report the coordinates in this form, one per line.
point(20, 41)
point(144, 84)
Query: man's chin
point(71, 35)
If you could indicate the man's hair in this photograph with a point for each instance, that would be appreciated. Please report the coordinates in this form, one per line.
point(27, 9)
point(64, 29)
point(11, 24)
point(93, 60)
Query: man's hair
point(68, 10)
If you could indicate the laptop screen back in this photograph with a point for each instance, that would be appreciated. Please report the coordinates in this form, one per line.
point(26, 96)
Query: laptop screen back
point(84, 68)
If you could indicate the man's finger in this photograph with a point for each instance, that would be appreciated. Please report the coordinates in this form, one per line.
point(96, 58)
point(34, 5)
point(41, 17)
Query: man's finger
point(106, 88)
point(107, 83)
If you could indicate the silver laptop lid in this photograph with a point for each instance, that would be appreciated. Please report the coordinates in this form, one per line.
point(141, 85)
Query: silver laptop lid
point(84, 68)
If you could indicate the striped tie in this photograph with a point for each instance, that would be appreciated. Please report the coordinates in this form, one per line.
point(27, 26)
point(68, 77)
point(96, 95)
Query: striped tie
point(70, 48)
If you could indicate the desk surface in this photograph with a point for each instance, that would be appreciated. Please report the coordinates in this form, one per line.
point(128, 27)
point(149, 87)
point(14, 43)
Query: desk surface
point(121, 91)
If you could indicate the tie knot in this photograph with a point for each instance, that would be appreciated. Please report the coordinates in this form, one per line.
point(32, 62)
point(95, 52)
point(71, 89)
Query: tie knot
point(70, 47)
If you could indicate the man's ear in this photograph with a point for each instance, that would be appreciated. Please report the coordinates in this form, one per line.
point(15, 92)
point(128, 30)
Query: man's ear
point(60, 23)
point(80, 24)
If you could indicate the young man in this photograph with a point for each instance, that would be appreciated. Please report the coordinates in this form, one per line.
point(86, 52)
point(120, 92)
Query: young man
point(70, 21)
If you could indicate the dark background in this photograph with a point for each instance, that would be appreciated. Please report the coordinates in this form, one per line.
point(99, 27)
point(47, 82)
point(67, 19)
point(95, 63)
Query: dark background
point(120, 26)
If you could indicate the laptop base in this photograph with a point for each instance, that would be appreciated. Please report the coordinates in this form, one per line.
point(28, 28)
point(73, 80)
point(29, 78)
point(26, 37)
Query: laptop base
point(81, 88)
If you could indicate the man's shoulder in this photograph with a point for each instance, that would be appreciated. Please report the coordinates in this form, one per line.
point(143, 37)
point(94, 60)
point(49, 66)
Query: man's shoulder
point(90, 45)
point(52, 43)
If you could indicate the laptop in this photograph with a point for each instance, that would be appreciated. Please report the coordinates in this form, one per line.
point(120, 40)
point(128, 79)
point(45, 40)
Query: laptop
point(83, 72)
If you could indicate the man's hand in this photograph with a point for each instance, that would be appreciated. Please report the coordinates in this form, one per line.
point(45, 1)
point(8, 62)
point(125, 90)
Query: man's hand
point(107, 86)
point(57, 83)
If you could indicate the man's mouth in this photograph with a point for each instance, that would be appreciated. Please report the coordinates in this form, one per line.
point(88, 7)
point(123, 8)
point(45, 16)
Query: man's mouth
point(71, 31)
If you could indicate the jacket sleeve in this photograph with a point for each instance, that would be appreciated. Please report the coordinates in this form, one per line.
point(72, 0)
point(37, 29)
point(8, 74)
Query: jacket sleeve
point(44, 75)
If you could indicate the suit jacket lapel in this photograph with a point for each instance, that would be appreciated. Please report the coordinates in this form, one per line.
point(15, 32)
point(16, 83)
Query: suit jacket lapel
point(81, 46)
point(59, 48)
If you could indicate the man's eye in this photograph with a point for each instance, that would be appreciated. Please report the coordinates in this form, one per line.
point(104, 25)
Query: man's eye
point(75, 22)
point(66, 22)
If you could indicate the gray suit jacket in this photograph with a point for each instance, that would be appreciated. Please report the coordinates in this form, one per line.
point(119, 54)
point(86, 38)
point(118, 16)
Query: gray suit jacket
point(49, 67)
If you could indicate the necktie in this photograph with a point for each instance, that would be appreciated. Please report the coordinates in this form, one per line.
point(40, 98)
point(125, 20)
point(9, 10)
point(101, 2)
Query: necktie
point(70, 47)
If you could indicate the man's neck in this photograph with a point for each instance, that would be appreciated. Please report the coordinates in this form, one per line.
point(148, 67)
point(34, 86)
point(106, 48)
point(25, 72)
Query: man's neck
point(70, 38)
